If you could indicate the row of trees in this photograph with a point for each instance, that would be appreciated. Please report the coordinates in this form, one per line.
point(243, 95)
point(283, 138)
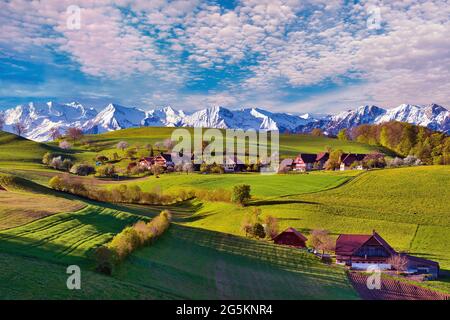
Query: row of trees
point(119, 194)
point(133, 194)
point(129, 240)
point(404, 139)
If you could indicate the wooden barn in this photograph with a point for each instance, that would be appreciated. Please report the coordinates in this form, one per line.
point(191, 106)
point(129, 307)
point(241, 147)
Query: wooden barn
point(291, 237)
point(304, 162)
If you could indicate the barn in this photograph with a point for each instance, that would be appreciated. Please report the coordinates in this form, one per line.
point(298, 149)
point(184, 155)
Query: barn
point(291, 237)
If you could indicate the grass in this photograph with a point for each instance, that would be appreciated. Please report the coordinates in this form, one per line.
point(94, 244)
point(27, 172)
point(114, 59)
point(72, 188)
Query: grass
point(66, 237)
point(261, 185)
point(29, 278)
point(203, 264)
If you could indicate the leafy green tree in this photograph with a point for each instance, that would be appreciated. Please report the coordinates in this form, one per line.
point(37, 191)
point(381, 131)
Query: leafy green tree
point(342, 135)
point(241, 194)
point(258, 231)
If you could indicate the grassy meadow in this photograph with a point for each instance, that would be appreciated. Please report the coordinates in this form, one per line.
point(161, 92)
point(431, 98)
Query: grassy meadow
point(204, 255)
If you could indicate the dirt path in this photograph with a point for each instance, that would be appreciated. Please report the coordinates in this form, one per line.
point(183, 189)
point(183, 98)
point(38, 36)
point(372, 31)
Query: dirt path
point(392, 290)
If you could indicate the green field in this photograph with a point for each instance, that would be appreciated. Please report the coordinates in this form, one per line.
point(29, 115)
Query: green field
point(261, 185)
point(204, 254)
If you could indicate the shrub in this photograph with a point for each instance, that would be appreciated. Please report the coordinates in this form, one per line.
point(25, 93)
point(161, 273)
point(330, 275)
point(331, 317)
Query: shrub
point(47, 158)
point(241, 194)
point(56, 163)
point(130, 239)
point(258, 231)
point(106, 171)
point(82, 169)
point(104, 258)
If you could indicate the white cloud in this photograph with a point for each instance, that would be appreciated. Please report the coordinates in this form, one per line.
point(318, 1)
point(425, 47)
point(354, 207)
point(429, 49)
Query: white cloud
point(290, 43)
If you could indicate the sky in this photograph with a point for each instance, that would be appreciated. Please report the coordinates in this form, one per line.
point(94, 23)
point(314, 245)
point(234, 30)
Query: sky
point(294, 56)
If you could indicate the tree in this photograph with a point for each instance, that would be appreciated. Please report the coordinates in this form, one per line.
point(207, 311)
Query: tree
point(334, 161)
point(342, 135)
point(47, 158)
point(56, 163)
point(271, 226)
point(122, 145)
point(55, 133)
point(74, 134)
point(317, 132)
point(67, 164)
point(19, 128)
point(321, 240)
point(157, 169)
point(65, 145)
point(258, 231)
point(106, 171)
point(82, 169)
point(56, 183)
point(188, 167)
point(241, 194)
point(104, 258)
point(399, 262)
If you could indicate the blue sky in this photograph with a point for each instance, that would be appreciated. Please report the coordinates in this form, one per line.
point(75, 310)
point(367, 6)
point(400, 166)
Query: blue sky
point(282, 55)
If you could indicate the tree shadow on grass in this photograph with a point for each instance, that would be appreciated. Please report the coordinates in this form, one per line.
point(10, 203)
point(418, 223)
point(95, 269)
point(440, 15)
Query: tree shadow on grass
point(258, 203)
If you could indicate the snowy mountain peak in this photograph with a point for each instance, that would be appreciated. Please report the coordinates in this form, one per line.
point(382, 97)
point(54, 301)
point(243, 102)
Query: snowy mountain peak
point(40, 118)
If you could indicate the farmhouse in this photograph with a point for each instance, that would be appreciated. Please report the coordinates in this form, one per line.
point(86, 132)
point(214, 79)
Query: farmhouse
point(146, 162)
point(291, 237)
point(347, 159)
point(164, 160)
point(233, 164)
point(304, 162)
point(361, 251)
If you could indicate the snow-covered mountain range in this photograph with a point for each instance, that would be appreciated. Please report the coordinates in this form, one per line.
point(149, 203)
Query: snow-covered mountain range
point(40, 118)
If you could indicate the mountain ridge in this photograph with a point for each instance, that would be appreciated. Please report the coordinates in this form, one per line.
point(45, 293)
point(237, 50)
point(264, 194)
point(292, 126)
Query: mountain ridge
point(40, 118)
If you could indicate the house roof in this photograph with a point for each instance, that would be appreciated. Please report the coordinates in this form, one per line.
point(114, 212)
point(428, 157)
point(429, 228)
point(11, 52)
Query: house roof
point(422, 261)
point(348, 244)
point(349, 158)
point(286, 162)
point(322, 156)
point(307, 157)
point(294, 231)
point(166, 156)
point(146, 159)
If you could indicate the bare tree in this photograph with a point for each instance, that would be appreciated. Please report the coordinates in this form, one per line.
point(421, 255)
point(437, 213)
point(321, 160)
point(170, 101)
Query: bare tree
point(399, 262)
point(122, 145)
point(19, 128)
point(321, 240)
point(74, 133)
point(188, 167)
point(55, 133)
